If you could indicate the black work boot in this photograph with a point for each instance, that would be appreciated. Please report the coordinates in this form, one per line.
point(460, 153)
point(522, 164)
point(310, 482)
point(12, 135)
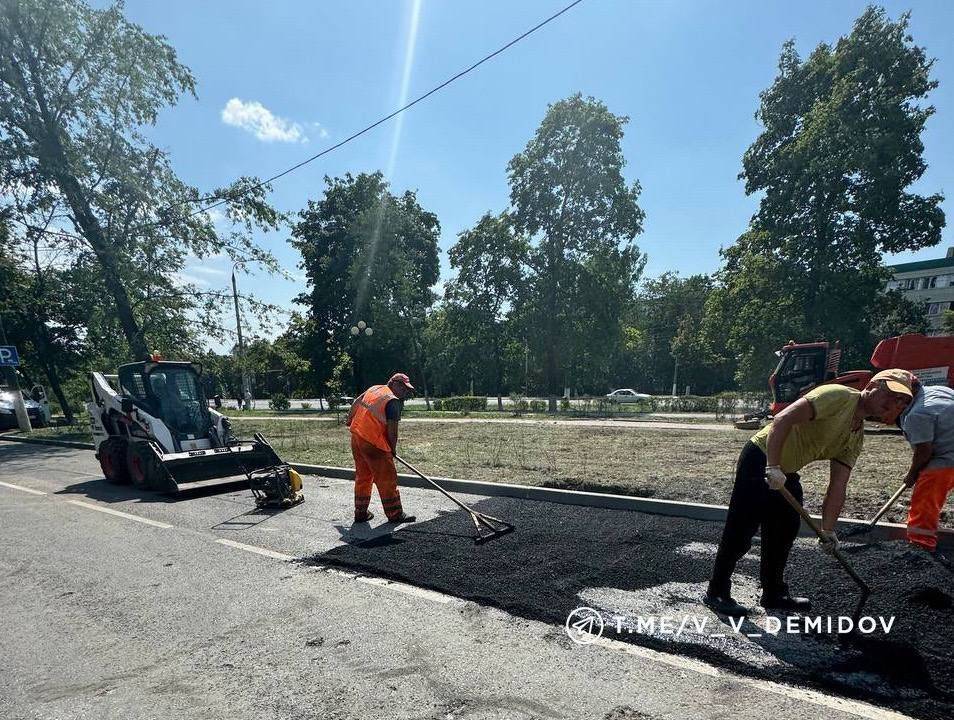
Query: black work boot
point(363, 517)
point(724, 604)
point(402, 518)
point(784, 601)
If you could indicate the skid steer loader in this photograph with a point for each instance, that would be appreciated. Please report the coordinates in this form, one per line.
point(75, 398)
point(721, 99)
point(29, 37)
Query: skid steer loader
point(152, 426)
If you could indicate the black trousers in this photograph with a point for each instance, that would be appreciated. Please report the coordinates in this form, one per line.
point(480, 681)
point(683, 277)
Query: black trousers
point(754, 505)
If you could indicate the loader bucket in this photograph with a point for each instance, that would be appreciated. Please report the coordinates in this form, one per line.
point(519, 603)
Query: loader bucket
point(199, 468)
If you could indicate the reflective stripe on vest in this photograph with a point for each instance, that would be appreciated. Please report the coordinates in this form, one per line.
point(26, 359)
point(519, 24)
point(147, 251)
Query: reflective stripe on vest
point(370, 420)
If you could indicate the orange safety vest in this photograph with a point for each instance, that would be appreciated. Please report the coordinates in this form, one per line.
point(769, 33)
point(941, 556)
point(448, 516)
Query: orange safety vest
point(370, 422)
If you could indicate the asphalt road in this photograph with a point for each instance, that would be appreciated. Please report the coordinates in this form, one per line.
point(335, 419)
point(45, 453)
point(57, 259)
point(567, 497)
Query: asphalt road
point(119, 607)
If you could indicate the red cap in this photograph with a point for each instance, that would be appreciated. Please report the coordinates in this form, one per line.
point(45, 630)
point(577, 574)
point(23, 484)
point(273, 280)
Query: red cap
point(401, 378)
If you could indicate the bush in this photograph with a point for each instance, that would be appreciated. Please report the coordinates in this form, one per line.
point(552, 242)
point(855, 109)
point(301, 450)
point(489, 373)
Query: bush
point(279, 401)
point(564, 404)
point(538, 406)
point(462, 403)
point(306, 406)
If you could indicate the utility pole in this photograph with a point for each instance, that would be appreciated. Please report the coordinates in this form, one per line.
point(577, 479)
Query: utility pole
point(23, 418)
point(675, 374)
point(246, 391)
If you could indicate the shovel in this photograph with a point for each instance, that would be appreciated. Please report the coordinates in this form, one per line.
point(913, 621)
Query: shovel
point(874, 521)
point(865, 590)
point(487, 526)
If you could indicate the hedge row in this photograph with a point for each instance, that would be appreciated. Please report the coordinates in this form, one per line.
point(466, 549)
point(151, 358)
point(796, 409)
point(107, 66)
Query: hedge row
point(463, 403)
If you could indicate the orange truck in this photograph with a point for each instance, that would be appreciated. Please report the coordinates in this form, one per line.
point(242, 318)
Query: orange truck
point(803, 366)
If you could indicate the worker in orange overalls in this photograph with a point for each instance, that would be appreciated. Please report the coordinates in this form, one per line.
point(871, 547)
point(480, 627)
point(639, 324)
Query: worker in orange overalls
point(373, 421)
point(928, 425)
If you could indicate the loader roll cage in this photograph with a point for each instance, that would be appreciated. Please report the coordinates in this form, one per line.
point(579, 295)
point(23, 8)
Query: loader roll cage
point(170, 391)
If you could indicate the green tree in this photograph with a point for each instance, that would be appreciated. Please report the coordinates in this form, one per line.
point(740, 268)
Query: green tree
point(368, 255)
point(569, 196)
point(77, 87)
point(43, 308)
point(834, 164)
point(489, 260)
point(667, 316)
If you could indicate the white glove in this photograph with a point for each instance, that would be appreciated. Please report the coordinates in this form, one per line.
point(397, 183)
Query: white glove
point(775, 477)
point(828, 541)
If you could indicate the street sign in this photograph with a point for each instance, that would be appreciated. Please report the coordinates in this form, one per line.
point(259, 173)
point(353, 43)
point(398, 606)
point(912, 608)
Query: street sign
point(8, 356)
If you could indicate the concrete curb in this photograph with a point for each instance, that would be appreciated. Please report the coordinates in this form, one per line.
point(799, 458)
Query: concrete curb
point(674, 508)
point(48, 441)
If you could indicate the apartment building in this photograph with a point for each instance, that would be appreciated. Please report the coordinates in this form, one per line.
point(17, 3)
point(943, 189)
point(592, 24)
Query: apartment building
point(930, 282)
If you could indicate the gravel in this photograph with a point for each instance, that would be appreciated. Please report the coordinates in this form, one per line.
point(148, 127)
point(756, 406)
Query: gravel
point(634, 564)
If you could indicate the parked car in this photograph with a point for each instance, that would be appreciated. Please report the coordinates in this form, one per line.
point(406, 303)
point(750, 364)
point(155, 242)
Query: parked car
point(628, 395)
point(39, 412)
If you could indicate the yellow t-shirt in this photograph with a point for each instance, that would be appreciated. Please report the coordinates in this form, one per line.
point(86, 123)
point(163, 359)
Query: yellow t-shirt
point(828, 436)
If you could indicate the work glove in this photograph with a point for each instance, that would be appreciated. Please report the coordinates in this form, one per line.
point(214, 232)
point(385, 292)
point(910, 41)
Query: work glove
point(774, 477)
point(828, 541)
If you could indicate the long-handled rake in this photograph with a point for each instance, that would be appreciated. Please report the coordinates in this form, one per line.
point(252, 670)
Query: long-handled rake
point(884, 508)
point(495, 527)
point(865, 590)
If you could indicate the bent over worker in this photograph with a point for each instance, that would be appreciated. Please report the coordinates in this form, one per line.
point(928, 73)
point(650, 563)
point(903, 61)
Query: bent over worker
point(928, 425)
point(826, 424)
point(373, 422)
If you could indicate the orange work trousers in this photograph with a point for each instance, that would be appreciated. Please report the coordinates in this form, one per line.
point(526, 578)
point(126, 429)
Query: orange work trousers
point(373, 466)
point(927, 500)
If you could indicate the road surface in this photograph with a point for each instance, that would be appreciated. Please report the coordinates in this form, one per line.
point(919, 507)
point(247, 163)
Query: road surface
point(118, 607)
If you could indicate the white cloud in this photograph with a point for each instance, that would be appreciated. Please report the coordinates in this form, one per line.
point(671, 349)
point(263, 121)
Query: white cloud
point(203, 270)
point(184, 278)
point(259, 120)
point(322, 132)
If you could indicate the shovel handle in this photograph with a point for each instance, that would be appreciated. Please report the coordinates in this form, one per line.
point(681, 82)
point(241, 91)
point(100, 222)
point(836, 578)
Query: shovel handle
point(790, 499)
point(421, 475)
point(887, 506)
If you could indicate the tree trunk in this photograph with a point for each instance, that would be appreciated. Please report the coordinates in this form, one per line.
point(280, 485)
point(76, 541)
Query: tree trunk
point(42, 341)
point(54, 162)
point(54, 379)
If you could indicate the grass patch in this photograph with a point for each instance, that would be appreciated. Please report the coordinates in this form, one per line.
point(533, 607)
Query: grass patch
point(695, 466)
point(73, 433)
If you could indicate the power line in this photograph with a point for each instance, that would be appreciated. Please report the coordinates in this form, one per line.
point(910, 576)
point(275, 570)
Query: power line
point(222, 199)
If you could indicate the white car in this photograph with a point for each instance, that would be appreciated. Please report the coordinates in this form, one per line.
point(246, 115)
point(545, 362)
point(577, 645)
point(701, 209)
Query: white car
point(37, 407)
point(627, 395)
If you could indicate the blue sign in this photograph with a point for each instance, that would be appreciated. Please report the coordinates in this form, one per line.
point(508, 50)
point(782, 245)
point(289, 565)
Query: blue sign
point(8, 356)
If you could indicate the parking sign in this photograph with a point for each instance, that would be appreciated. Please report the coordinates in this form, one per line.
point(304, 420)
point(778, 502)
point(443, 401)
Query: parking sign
point(8, 356)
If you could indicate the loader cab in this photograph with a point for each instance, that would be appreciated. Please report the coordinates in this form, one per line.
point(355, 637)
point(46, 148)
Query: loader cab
point(171, 392)
point(800, 368)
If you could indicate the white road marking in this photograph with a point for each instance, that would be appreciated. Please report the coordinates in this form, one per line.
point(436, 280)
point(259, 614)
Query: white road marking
point(117, 513)
point(400, 587)
point(22, 489)
point(412, 590)
point(255, 549)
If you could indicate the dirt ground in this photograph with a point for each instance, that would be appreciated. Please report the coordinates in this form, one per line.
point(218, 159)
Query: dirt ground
point(697, 466)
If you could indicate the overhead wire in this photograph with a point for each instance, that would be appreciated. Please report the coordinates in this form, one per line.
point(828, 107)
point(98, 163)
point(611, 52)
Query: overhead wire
point(224, 198)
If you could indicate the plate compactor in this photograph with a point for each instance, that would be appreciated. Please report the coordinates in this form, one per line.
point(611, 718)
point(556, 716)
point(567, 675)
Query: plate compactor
point(152, 426)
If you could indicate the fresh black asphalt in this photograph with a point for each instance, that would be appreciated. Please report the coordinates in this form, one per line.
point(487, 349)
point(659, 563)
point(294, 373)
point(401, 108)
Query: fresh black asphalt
point(559, 551)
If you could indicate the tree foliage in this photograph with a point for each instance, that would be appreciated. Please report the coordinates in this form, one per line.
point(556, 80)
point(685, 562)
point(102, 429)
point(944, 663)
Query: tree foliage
point(368, 255)
point(489, 259)
point(77, 87)
point(568, 195)
point(834, 164)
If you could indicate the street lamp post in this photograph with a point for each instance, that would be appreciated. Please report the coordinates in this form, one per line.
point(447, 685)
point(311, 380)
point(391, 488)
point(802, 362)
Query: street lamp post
point(246, 400)
point(361, 328)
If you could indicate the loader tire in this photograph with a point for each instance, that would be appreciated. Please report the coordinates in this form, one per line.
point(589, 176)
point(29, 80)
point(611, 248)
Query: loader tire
point(112, 460)
point(144, 469)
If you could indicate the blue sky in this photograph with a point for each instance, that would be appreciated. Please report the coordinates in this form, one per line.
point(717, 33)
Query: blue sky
point(302, 75)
